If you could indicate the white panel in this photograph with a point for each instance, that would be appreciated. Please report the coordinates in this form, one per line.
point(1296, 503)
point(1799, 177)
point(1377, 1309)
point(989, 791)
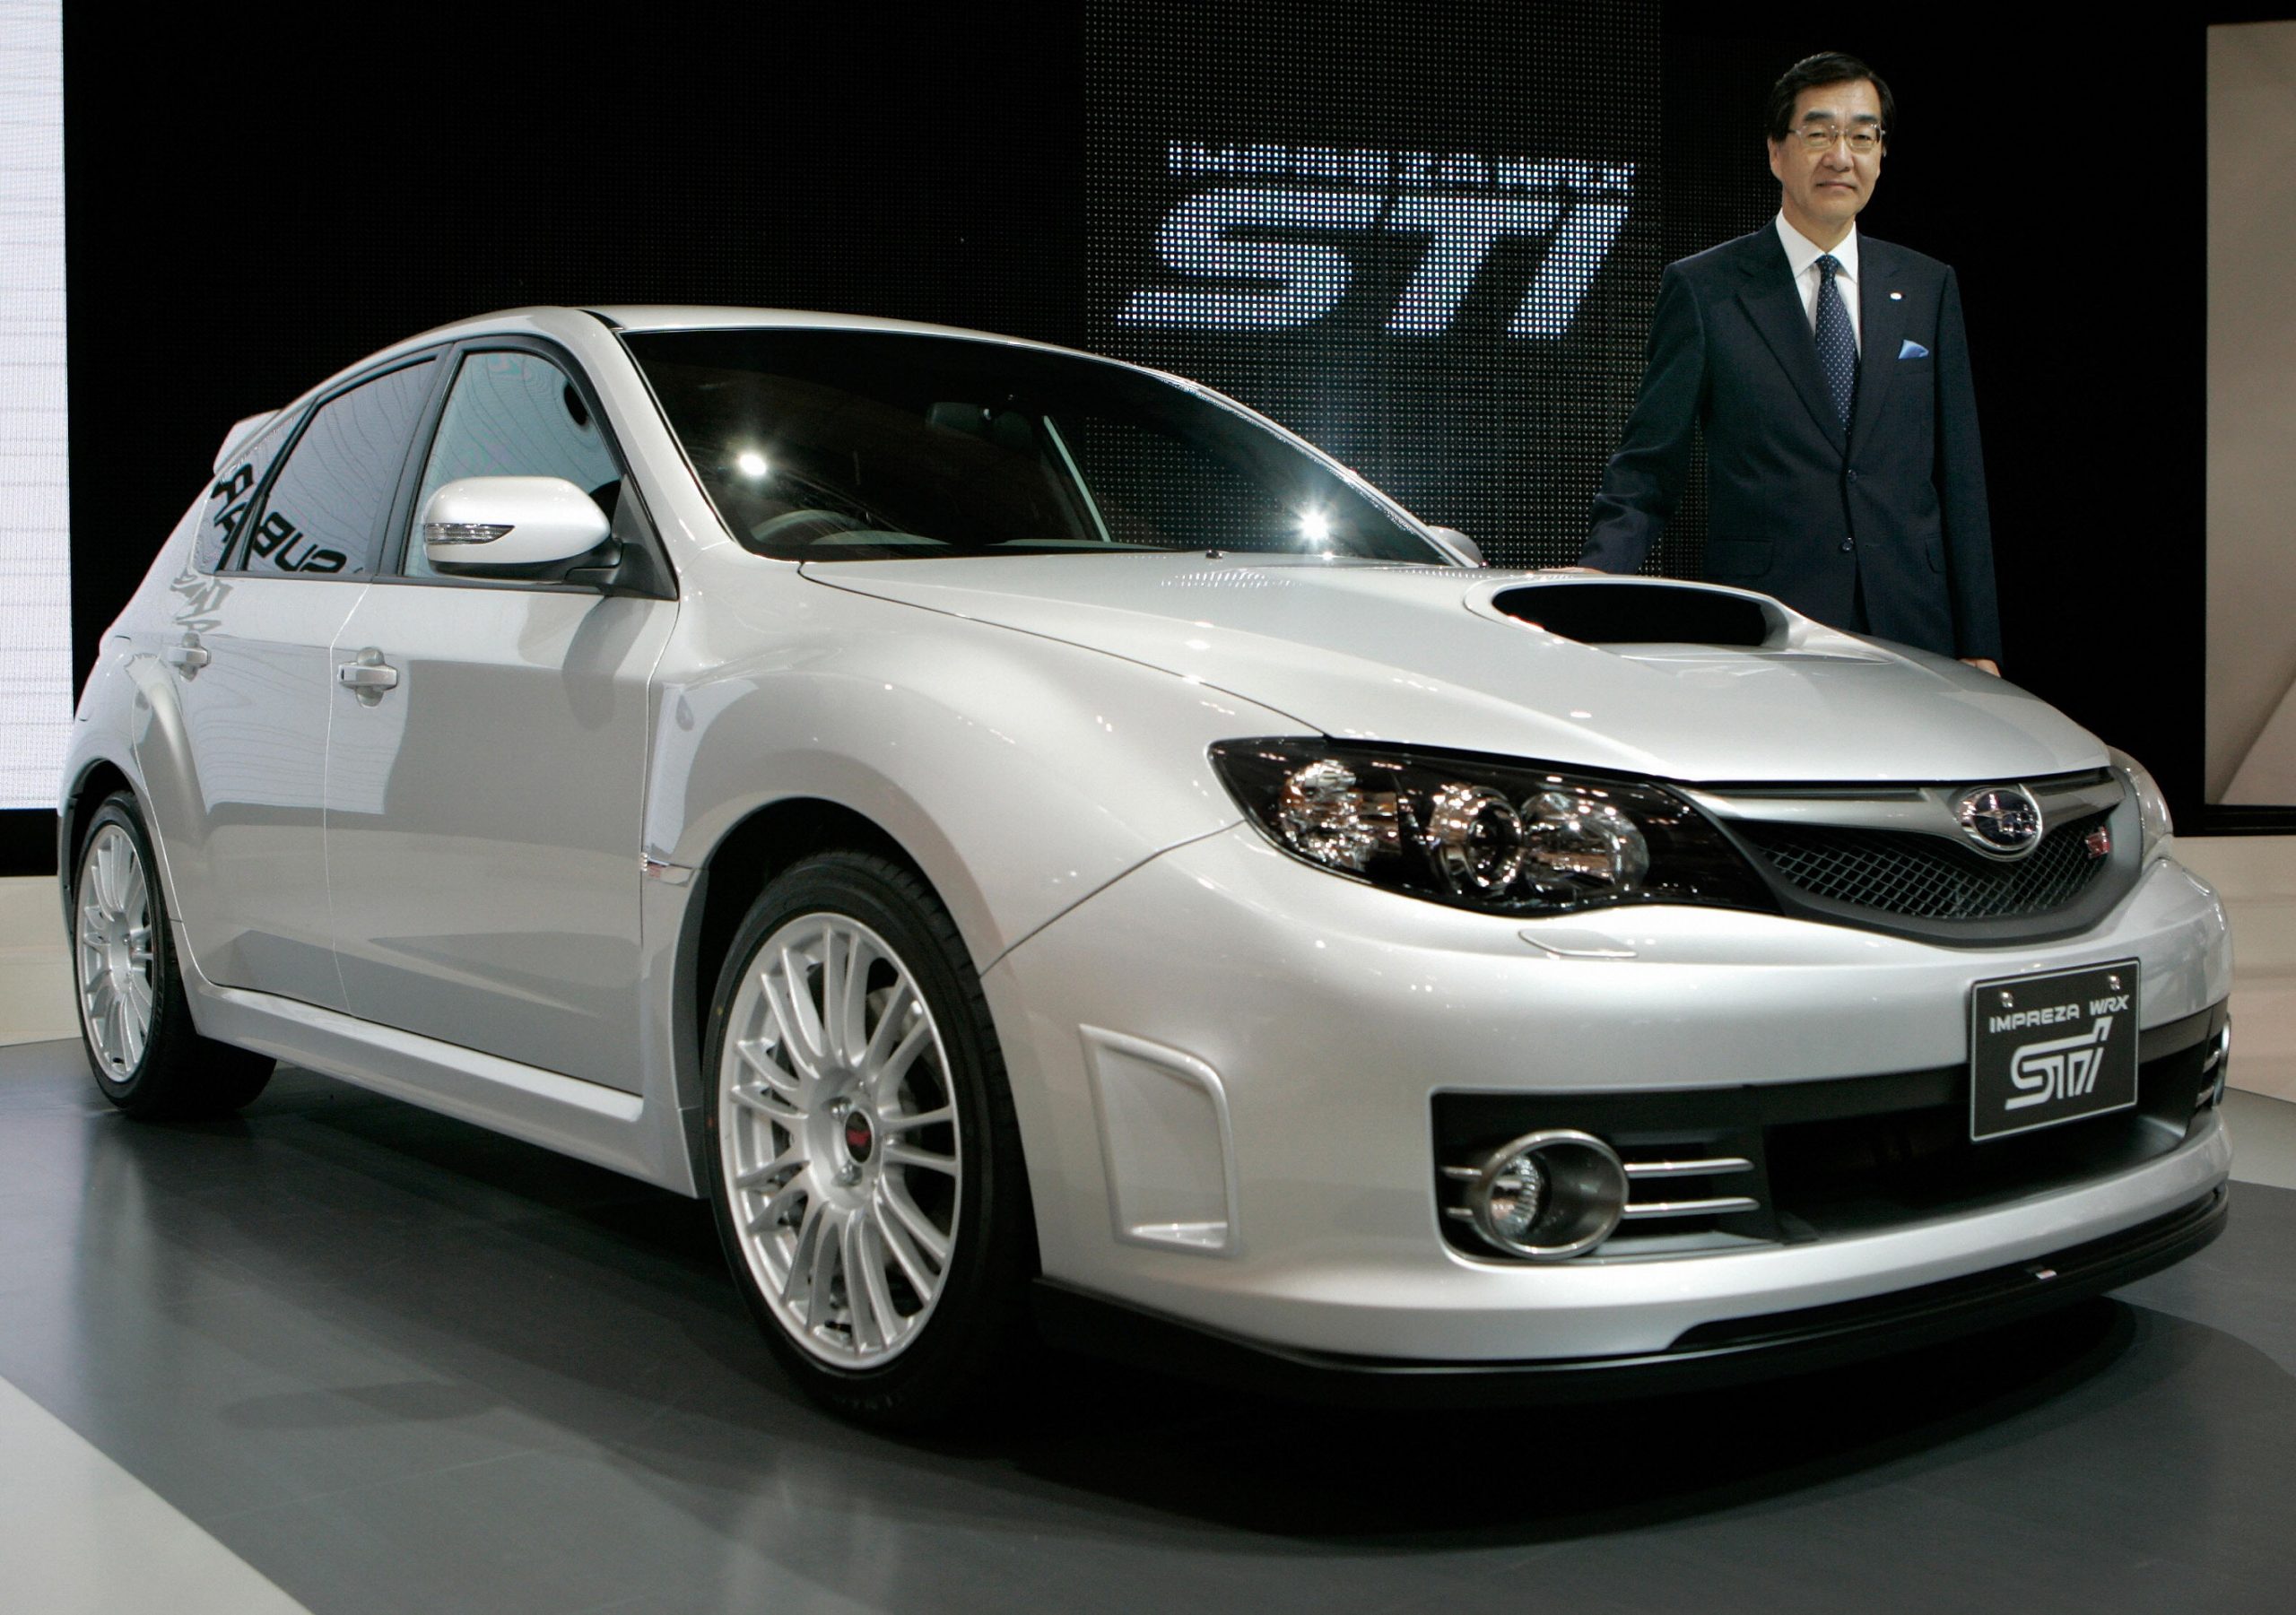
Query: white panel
point(35, 557)
point(2251, 706)
point(1164, 1139)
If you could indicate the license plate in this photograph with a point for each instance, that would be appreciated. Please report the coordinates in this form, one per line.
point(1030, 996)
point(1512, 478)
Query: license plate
point(2049, 1049)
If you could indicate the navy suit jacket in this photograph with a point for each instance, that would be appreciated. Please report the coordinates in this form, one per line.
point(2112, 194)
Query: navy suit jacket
point(1796, 510)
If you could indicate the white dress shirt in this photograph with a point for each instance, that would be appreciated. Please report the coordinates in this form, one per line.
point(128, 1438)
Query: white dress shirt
point(1804, 253)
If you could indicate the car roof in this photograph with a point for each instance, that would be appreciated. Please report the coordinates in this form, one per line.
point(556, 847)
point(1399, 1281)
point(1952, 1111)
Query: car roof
point(668, 316)
point(671, 317)
point(699, 316)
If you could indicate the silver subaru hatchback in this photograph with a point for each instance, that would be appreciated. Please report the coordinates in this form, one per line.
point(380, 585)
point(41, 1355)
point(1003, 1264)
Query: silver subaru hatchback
point(1045, 851)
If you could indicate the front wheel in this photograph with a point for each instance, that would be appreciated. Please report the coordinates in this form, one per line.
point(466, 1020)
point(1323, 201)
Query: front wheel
point(864, 1161)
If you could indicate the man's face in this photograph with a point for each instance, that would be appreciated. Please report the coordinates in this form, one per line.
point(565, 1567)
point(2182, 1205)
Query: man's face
point(1825, 187)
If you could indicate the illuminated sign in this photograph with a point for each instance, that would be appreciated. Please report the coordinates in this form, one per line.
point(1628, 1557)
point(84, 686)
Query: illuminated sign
point(36, 569)
point(1431, 250)
point(1266, 244)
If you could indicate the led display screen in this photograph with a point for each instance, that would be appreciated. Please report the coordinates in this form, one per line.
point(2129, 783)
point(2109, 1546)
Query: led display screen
point(1429, 249)
point(35, 559)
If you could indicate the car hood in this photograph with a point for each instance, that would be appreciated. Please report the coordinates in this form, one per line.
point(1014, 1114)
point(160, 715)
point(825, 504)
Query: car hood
point(1429, 657)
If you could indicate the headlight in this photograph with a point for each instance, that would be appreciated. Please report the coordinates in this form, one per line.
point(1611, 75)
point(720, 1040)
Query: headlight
point(2152, 807)
point(1505, 838)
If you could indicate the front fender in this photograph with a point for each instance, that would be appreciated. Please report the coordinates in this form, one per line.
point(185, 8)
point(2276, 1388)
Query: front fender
point(1023, 773)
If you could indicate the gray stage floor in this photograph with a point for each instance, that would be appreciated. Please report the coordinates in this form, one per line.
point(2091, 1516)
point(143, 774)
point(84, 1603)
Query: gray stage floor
point(399, 1364)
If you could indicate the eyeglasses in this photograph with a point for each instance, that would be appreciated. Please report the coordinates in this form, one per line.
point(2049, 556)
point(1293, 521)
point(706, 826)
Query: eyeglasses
point(1864, 141)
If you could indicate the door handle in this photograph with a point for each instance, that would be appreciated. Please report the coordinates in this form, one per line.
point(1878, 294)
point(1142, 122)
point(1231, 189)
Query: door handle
point(190, 655)
point(368, 677)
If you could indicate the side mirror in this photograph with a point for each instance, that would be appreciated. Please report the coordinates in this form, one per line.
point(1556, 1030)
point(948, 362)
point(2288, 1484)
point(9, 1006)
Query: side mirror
point(488, 523)
point(1454, 539)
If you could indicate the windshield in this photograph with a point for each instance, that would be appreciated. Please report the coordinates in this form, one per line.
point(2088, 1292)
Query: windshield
point(865, 445)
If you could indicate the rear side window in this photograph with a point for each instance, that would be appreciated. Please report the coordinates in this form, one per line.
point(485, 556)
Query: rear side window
point(515, 414)
point(233, 494)
point(324, 512)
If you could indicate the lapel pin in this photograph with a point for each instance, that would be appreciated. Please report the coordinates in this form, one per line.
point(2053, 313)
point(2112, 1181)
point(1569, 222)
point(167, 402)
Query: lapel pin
point(1896, 297)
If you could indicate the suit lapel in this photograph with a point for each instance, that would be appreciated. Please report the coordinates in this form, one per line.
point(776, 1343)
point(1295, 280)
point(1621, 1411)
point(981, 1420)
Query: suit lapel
point(1774, 303)
point(1881, 328)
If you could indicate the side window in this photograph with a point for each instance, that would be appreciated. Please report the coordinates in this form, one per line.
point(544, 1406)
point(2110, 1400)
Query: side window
point(515, 415)
point(234, 491)
point(324, 513)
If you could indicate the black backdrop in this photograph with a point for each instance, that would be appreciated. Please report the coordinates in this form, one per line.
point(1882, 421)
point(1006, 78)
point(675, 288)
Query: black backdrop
point(1470, 205)
point(254, 199)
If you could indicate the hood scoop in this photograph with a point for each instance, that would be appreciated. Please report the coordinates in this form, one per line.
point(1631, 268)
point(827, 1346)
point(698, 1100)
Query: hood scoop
point(1624, 613)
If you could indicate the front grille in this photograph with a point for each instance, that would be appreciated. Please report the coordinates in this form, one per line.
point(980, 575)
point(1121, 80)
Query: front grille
point(1928, 877)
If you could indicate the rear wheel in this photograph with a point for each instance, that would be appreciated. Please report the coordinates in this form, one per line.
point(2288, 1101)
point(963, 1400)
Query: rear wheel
point(147, 1057)
point(866, 1164)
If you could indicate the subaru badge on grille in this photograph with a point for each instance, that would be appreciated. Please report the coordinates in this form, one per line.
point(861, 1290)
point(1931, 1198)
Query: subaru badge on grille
point(2002, 820)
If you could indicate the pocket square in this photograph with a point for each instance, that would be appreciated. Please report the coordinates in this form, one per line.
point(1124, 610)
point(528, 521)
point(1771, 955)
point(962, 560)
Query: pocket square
point(1912, 349)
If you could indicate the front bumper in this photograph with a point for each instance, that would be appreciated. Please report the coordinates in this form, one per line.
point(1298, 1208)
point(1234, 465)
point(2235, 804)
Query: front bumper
point(1326, 1015)
point(1733, 1351)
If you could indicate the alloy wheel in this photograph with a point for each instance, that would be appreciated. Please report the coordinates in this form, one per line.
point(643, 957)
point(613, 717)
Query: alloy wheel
point(842, 1152)
point(116, 971)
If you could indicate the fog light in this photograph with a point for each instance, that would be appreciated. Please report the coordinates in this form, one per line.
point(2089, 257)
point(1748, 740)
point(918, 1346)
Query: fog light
point(1518, 1195)
point(1549, 1195)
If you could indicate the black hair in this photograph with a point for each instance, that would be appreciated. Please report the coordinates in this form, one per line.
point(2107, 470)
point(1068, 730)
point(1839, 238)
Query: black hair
point(1826, 67)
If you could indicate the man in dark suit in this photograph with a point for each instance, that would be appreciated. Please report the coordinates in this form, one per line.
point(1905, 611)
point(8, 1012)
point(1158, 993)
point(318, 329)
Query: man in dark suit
point(1831, 376)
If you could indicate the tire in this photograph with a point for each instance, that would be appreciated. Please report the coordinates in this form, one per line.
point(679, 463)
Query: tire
point(136, 1023)
point(867, 1135)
